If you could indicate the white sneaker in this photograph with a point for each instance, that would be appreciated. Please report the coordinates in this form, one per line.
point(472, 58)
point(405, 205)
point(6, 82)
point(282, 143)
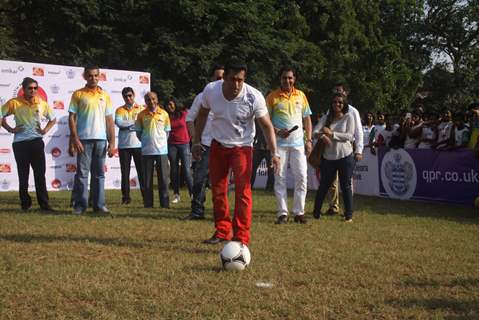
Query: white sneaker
point(176, 198)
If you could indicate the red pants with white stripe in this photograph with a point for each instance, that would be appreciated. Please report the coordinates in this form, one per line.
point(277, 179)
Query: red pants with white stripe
point(239, 160)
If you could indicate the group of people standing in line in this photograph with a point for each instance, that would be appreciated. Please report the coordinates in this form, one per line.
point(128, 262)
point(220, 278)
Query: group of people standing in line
point(224, 122)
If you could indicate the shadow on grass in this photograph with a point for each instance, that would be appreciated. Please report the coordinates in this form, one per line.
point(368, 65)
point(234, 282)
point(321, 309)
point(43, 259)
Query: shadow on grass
point(450, 212)
point(185, 246)
point(460, 309)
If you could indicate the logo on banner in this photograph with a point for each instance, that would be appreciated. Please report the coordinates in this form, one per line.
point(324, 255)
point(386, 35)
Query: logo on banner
point(56, 184)
point(58, 104)
point(398, 174)
point(70, 73)
point(37, 71)
point(55, 88)
point(56, 152)
point(5, 184)
point(5, 168)
point(144, 79)
point(71, 167)
point(102, 76)
point(54, 72)
point(133, 182)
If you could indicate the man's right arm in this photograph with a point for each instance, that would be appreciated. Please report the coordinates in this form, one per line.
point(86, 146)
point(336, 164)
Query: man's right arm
point(72, 123)
point(201, 119)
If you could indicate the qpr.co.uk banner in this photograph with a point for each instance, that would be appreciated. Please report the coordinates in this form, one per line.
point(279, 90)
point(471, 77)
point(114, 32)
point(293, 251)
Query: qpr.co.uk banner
point(422, 174)
point(56, 85)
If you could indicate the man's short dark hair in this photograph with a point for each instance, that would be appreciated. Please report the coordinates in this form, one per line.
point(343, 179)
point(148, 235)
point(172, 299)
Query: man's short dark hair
point(287, 68)
point(215, 67)
point(472, 106)
point(91, 67)
point(342, 84)
point(235, 66)
point(127, 90)
point(28, 81)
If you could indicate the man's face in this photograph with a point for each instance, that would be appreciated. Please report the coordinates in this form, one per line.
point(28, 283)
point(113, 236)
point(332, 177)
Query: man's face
point(151, 100)
point(380, 118)
point(30, 91)
point(340, 89)
point(446, 116)
point(287, 80)
point(91, 77)
point(129, 98)
point(234, 82)
point(217, 75)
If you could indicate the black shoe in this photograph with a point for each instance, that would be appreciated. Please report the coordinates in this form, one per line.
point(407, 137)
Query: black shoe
point(317, 215)
point(25, 208)
point(126, 201)
point(47, 208)
point(214, 240)
point(192, 216)
point(282, 219)
point(300, 219)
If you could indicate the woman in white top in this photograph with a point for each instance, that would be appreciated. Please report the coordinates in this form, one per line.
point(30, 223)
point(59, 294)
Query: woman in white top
point(336, 129)
point(368, 127)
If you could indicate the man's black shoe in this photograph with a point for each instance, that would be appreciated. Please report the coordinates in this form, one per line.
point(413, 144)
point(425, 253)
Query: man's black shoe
point(126, 201)
point(214, 240)
point(282, 219)
point(300, 219)
point(192, 216)
point(47, 208)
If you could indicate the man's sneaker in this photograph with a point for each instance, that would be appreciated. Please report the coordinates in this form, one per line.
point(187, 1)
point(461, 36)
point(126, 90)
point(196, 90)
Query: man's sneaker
point(214, 240)
point(282, 219)
point(176, 198)
point(300, 219)
point(192, 216)
point(317, 214)
point(78, 211)
point(348, 220)
point(101, 210)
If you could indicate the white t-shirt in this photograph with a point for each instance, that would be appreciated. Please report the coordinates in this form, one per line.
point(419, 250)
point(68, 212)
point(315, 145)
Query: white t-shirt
point(233, 121)
point(444, 131)
point(343, 136)
point(193, 113)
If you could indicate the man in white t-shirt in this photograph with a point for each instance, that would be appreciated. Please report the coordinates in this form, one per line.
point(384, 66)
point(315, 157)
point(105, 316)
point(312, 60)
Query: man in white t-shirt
point(235, 106)
point(200, 174)
point(333, 194)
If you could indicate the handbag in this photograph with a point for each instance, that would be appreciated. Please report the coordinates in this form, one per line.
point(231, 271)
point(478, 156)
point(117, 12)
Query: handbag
point(314, 158)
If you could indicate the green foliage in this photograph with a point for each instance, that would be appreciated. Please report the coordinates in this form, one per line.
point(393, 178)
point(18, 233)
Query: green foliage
point(378, 47)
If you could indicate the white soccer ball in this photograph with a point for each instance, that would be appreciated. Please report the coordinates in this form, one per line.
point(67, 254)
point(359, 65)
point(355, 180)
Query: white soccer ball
point(235, 256)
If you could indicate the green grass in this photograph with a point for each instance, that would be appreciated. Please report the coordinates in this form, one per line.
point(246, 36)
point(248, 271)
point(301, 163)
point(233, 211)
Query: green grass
point(398, 260)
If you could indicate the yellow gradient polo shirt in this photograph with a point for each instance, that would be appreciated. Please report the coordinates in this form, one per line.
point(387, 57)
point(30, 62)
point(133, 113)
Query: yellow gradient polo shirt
point(287, 111)
point(27, 114)
point(91, 107)
point(152, 128)
point(125, 118)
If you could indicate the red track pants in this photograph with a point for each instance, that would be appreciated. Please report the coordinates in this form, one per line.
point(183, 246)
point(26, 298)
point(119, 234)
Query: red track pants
point(239, 159)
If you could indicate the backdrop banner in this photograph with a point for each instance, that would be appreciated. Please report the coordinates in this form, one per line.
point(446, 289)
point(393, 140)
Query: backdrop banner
point(57, 83)
point(422, 174)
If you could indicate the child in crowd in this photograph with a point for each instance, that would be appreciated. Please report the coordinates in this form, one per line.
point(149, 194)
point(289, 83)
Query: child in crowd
point(378, 127)
point(444, 130)
point(368, 127)
point(411, 129)
point(428, 135)
point(386, 135)
point(460, 132)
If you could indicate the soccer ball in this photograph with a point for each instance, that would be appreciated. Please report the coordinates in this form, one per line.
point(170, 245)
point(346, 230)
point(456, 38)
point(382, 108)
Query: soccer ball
point(235, 256)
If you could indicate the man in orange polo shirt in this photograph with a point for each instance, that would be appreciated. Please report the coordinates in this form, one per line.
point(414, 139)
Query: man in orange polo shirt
point(28, 146)
point(290, 114)
point(91, 125)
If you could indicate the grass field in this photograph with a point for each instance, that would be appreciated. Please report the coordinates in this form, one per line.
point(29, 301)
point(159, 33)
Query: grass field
point(397, 260)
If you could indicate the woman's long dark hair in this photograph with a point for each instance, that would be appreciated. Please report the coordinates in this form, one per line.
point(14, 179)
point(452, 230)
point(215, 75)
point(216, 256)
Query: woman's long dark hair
point(178, 110)
point(330, 116)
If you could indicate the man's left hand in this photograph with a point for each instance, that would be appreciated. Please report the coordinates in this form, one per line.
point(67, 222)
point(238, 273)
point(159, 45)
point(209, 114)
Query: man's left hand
point(308, 147)
point(275, 164)
point(110, 150)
